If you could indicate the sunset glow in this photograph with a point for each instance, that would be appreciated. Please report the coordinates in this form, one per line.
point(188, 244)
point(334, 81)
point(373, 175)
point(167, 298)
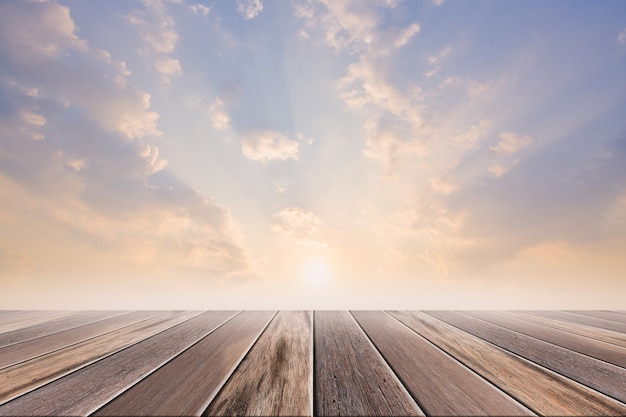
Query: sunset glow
point(312, 154)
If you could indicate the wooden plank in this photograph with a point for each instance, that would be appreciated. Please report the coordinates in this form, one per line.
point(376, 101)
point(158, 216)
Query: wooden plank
point(607, 336)
point(543, 391)
point(26, 318)
point(604, 377)
point(86, 390)
point(25, 376)
point(601, 314)
point(351, 378)
point(589, 321)
point(54, 326)
point(187, 384)
point(275, 377)
point(440, 384)
point(590, 347)
point(19, 352)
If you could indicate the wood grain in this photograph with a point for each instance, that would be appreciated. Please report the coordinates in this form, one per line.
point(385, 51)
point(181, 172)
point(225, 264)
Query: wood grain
point(590, 347)
point(187, 384)
point(541, 390)
point(601, 314)
point(603, 335)
point(86, 390)
point(351, 378)
point(440, 384)
point(275, 377)
point(582, 319)
point(22, 319)
point(19, 352)
point(53, 326)
point(25, 376)
point(604, 377)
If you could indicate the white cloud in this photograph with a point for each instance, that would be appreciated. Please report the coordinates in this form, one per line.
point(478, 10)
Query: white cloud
point(435, 59)
point(269, 145)
point(437, 2)
point(297, 224)
point(498, 170)
point(510, 143)
point(218, 115)
point(621, 37)
point(249, 9)
point(200, 9)
point(168, 67)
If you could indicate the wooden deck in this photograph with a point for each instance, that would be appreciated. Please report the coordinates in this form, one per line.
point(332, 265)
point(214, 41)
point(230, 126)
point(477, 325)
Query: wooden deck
point(312, 363)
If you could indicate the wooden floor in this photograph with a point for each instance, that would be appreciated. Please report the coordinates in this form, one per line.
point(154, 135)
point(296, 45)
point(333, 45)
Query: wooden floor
point(312, 363)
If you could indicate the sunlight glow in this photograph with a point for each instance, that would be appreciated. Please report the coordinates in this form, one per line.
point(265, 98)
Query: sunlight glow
point(317, 273)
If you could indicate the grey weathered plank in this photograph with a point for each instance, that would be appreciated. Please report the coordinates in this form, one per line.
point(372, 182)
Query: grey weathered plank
point(582, 319)
point(351, 378)
point(543, 391)
point(604, 377)
point(275, 377)
point(590, 347)
point(440, 384)
point(26, 318)
point(601, 314)
point(608, 336)
point(26, 376)
point(187, 384)
point(86, 390)
point(19, 352)
point(53, 326)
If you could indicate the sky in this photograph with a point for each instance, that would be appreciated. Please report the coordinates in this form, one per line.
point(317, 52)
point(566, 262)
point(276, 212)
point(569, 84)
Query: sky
point(312, 154)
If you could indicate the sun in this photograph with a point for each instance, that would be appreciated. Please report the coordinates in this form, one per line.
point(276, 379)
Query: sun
point(317, 273)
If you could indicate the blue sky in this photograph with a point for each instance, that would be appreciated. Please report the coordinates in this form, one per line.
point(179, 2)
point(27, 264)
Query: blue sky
point(312, 154)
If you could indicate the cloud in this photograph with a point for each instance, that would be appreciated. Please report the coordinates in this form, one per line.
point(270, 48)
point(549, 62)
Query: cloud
point(268, 145)
point(510, 143)
point(437, 2)
point(218, 115)
point(249, 9)
point(621, 37)
point(498, 170)
point(298, 225)
point(435, 59)
point(200, 9)
point(94, 181)
point(157, 30)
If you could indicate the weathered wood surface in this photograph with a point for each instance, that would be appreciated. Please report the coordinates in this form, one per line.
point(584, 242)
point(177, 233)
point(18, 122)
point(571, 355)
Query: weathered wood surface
point(54, 326)
point(187, 384)
point(543, 391)
point(321, 363)
point(21, 319)
point(351, 377)
point(602, 376)
point(608, 336)
point(25, 376)
point(19, 352)
point(582, 319)
point(590, 347)
point(601, 314)
point(86, 390)
point(275, 378)
point(440, 384)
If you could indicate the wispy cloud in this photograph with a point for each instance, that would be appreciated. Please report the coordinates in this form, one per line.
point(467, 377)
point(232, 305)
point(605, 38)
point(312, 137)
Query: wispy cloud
point(268, 145)
point(249, 9)
point(621, 37)
point(298, 225)
point(510, 143)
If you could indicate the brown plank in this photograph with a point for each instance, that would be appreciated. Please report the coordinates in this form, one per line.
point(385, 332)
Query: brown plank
point(351, 378)
point(607, 336)
point(26, 376)
point(26, 318)
point(601, 314)
point(440, 384)
point(187, 384)
point(54, 326)
point(579, 318)
point(543, 391)
point(19, 352)
point(275, 377)
point(84, 391)
point(604, 377)
point(590, 347)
